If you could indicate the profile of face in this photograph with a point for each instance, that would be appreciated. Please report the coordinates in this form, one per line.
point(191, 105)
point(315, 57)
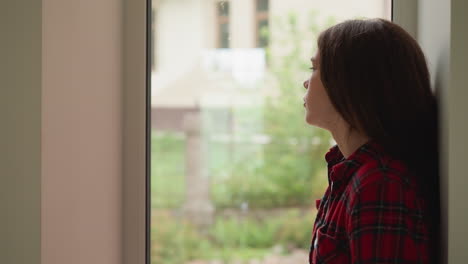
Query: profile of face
point(319, 109)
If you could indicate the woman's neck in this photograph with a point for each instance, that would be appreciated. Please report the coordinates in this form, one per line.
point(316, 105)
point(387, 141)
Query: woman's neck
point(348, 140)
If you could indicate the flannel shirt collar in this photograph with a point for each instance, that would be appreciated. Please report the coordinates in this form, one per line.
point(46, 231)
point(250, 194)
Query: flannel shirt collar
point(341, 169)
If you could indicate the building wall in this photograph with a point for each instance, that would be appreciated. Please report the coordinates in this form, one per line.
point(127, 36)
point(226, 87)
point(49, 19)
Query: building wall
point(243, 24)
point(180, 34)
point(185, 29)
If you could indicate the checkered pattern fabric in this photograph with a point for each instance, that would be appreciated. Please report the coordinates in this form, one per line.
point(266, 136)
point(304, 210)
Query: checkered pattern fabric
point(370, 213)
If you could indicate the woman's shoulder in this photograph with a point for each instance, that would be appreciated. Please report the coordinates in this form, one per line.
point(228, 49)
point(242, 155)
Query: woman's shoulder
point(379, 167)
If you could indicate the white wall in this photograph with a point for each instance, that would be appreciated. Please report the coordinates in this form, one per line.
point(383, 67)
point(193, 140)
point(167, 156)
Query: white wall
point(434, 37)
point(443, 36)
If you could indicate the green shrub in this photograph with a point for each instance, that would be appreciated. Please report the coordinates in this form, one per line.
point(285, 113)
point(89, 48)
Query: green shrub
point(167, 170)
point(272, 190)
point(244, 233)
point(296, 230)
point(175, 242)
point(229, 238)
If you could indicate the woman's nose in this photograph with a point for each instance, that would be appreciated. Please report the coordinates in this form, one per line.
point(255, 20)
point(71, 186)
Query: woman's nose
point(306, 83)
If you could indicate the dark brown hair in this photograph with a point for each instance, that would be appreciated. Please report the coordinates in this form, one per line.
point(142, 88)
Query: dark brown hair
point(376, 77)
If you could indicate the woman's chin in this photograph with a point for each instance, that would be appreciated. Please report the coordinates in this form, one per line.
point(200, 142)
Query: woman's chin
point(309, 120)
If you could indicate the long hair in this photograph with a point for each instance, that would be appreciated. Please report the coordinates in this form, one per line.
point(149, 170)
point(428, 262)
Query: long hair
point(376, 77)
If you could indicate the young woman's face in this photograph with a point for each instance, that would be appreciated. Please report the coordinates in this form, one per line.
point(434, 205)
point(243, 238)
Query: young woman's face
point(319, 110)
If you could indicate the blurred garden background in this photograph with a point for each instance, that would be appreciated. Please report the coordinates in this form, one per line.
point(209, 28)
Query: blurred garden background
point(235, 170)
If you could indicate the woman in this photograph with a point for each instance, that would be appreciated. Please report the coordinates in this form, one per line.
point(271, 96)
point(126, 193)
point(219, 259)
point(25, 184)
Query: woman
point(370, 88)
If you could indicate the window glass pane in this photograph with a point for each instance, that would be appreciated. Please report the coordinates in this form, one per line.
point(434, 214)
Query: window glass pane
point(235, 169)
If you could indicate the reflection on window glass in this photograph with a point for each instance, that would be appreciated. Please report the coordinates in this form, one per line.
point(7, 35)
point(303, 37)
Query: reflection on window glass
point(235, 170)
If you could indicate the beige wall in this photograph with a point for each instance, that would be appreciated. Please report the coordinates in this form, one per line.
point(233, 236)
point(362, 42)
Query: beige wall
point(20, 131)
point(81, 131)
point(61, 164)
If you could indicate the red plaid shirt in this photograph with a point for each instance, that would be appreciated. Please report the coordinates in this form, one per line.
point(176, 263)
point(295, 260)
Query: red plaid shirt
point(370, 212)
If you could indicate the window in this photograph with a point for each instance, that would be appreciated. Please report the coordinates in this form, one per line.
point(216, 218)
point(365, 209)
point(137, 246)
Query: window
point(235, 170)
